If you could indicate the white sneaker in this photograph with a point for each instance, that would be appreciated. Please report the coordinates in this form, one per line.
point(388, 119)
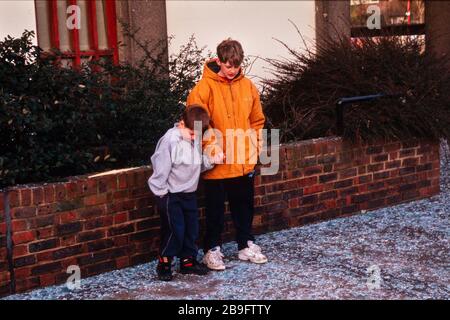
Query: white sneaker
point(252, 253)
point(213, 259)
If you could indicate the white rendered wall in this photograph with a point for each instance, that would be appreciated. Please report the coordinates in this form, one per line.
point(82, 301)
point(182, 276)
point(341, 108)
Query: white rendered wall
point(253, 23)
point(16, 16)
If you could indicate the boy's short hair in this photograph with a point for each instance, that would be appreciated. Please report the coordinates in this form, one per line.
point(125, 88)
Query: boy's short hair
point(194, 113)
point(231, 51)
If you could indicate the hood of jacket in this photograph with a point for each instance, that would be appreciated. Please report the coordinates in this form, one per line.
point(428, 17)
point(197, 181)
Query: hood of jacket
point(211, 70)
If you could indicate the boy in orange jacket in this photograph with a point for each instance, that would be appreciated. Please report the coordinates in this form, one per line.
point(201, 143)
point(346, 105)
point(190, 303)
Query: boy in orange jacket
point(234, 107)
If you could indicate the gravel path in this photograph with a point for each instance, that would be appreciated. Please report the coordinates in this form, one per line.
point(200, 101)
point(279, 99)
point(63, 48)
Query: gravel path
point(400, 252)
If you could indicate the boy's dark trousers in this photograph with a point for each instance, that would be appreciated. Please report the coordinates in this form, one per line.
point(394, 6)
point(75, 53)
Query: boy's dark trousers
point(179, 224)
point(240, 191)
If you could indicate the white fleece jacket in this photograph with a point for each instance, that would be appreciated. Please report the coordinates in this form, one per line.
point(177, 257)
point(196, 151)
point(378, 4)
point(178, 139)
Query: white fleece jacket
point(177, 164)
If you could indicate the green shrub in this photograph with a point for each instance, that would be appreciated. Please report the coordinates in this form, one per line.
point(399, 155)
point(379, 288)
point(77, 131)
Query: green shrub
point(57, 122)
point(301, 98)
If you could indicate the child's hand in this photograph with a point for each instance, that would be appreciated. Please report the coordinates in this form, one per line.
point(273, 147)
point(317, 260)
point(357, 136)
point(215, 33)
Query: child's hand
point(218, 158)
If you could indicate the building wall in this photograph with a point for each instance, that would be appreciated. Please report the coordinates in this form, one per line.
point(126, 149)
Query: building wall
point(332, 20)
point(149, 16)
point(15, 17)
point(254, 23)
point(437, 25)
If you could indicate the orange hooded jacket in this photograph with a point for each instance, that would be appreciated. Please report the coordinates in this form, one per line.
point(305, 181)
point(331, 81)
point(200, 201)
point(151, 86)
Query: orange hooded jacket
point(231, 104)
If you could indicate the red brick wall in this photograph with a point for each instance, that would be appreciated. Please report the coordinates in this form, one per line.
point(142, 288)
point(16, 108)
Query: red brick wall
point(327, 178)
point(109, 222)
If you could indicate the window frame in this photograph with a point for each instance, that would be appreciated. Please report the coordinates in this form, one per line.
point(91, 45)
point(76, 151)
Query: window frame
point(389, 30)
point(76, 54)
point(398, 30)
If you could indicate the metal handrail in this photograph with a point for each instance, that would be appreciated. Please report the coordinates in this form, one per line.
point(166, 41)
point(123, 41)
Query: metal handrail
point(340, 103)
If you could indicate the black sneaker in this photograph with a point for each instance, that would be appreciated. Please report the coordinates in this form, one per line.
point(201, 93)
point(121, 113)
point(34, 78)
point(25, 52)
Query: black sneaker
point(164, 269)
point(190, 265)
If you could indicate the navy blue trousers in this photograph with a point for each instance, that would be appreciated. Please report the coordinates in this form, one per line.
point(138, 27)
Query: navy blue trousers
point(240, 192)
point(179, 224)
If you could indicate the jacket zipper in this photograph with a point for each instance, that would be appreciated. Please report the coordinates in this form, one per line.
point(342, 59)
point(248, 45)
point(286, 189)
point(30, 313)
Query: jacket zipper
point(235, 124)
point(232, 100)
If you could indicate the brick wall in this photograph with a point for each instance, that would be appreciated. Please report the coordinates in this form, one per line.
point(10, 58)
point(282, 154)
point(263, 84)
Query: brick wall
point(107, 222)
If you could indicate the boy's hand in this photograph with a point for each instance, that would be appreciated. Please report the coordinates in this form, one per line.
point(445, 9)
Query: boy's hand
point(218, 158)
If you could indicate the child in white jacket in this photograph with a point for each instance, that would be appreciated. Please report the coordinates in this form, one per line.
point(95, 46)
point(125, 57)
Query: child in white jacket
point(177, 163)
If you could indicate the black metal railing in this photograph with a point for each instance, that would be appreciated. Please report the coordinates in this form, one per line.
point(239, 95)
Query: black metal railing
point(350, 100)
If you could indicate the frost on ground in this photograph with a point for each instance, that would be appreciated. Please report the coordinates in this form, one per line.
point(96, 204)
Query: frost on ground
point(400, 252)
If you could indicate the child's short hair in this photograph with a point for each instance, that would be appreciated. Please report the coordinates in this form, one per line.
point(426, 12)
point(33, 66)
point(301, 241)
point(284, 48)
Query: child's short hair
point(231, 51)
point(194, 113)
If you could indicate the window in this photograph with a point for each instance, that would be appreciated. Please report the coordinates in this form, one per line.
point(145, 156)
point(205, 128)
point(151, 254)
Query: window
point(80, 29)
point(397, 17)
